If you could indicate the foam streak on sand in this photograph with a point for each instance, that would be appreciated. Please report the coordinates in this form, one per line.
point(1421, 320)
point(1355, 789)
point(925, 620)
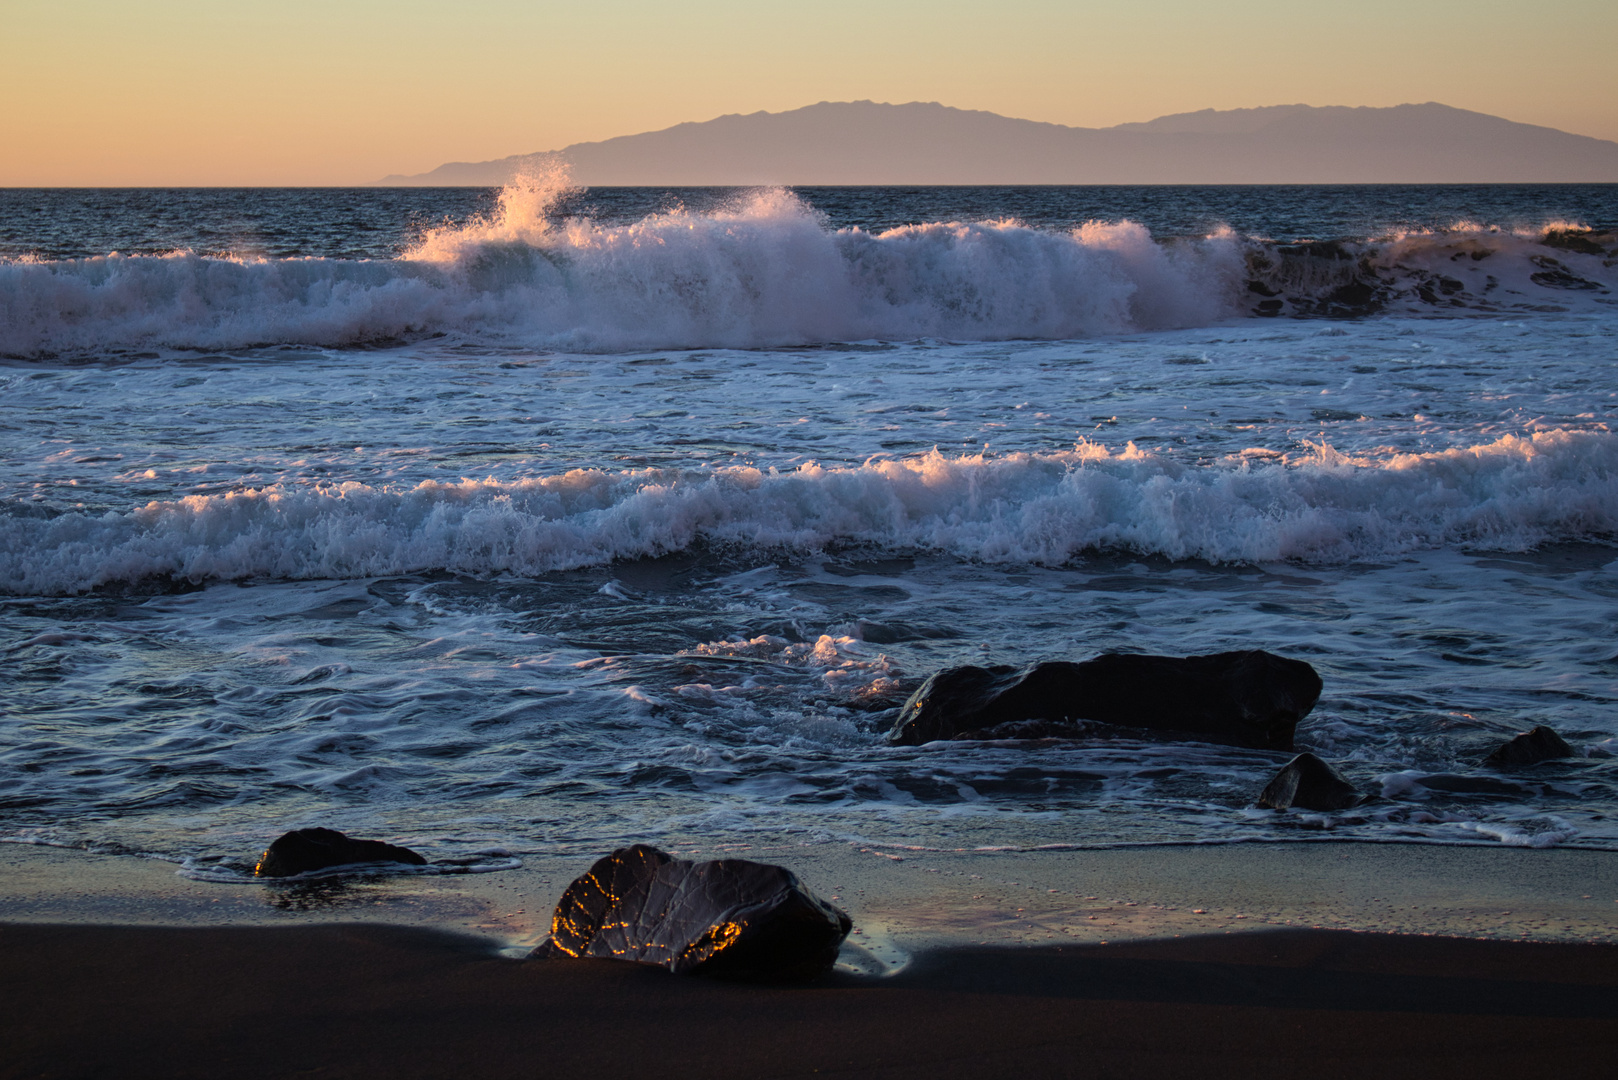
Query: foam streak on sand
point(1044, 508)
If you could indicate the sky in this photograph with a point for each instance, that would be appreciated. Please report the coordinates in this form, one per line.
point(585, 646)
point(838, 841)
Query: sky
point(317, 92)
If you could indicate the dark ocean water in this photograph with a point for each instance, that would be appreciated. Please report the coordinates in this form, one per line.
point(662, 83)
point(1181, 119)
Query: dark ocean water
point(381, 223)
point(548, 520)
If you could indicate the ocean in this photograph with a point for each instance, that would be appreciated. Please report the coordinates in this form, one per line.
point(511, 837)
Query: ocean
point(545, 521)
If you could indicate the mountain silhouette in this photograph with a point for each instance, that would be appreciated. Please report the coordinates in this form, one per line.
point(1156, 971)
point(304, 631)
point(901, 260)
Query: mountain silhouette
point(864, 142)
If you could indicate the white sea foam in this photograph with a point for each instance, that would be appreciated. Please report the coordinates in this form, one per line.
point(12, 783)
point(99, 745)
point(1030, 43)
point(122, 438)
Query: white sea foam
point(1512, 493)
point(845, 666)
point(767, 271)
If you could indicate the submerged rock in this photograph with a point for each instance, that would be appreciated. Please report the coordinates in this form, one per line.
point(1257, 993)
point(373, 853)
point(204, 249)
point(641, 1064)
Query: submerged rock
point(1530, 748)
point(1464, 784)
point(1252, 698)
point(303, 850)
point(1308, 783)
point(727, 917)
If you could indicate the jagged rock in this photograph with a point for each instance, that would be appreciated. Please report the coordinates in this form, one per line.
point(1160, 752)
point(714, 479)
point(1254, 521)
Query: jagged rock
point(728, 917)
point(1529, 748)
point(1308, 783)
point(1252, 698)
point(303, 850)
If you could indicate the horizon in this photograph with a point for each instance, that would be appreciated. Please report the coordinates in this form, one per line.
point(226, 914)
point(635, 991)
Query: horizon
point(385, 180)
point(341, 94)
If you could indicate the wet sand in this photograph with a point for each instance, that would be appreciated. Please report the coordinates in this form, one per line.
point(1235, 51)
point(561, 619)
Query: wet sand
point(1157, 961)
point(903, 900)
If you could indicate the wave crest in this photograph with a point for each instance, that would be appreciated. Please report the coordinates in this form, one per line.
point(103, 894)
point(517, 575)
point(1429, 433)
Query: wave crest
point(765, 271)
point(1512, 494)
point(769, 271)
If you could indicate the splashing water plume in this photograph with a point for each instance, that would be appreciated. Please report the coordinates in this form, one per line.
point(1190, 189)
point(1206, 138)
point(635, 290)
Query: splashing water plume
point(522, 216)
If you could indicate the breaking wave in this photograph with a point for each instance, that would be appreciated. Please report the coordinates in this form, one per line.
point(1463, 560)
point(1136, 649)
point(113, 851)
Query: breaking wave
point(769, 271)
point(1325, 506)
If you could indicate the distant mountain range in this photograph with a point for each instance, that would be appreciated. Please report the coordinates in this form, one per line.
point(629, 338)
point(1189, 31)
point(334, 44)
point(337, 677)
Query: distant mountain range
point(864, 142)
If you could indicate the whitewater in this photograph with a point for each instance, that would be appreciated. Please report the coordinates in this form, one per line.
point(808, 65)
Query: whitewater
point(766, 269)
point(544, 520)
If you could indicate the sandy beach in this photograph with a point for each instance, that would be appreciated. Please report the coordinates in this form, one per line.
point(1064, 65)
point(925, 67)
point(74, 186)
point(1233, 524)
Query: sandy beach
point(1339, 959)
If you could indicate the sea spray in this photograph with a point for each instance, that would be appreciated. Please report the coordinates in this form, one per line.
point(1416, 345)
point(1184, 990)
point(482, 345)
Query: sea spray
point(768, 270)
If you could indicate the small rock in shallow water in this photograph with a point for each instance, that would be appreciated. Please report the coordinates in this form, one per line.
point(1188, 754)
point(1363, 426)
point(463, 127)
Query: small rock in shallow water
point(728, 917)
point(1530, 748)
point(1251, 698)
point(303, 850)
point(1308, 783)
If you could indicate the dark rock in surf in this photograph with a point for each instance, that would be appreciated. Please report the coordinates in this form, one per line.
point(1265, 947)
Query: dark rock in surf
point(1252, 698)
point(1529, 748)
point(1308, 783)
point(728, 917)
point(303, 850)
point(1573, 240)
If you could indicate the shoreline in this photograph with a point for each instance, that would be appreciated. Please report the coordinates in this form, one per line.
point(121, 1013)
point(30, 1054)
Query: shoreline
point(1189, 961)
point(915, 901)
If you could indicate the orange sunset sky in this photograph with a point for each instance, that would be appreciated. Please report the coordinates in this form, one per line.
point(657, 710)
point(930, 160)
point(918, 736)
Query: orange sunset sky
point(175, 92)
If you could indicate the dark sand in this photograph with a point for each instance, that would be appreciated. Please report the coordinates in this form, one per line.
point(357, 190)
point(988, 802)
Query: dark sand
point(363, 1000)
point(1316, 960)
